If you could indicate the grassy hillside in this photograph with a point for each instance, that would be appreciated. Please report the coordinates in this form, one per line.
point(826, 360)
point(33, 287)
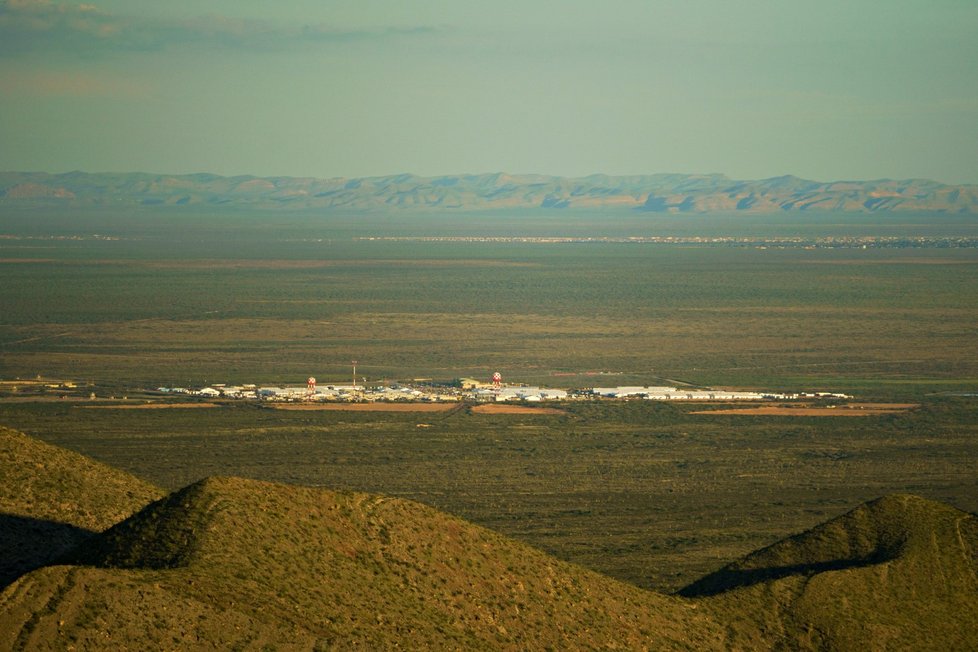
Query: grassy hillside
point(896, 573)
point(352, 568)
point(51, 499)
point(650, 494)
point(243, 564)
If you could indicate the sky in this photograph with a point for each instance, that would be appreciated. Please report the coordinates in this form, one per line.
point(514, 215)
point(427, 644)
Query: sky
point(827, 90)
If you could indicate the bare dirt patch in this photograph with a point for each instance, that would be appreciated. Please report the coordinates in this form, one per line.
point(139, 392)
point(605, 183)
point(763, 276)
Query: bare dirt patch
point(495, 408)
point(369, 407)
point(850, 410)
point(150, 406)
point(882, 406)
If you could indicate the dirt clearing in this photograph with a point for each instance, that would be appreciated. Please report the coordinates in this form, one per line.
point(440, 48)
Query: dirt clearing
point(369, 407)
point(150, 406)
point(493, 408)
point(851, 410)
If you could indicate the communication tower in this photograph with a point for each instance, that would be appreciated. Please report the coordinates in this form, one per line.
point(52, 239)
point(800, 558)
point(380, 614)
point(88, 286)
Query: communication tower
point(311, 385)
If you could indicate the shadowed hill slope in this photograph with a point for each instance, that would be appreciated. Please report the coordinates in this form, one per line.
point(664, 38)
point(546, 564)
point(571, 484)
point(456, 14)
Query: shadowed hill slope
point(360, 570)
point(52, 499)
point(335, 569)
point(900, 572)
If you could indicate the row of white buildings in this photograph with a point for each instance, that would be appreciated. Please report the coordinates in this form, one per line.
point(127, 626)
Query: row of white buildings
point(317, 393)
point(479, 394)
point(677, 394)
point(529, 394)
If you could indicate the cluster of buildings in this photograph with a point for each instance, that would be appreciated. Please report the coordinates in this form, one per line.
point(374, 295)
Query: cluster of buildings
point(678, 394)
point(471, 390)
point(313, 392)
point(529, 394)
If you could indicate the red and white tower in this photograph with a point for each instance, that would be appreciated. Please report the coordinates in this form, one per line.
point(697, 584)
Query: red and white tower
point(311, 385)
point(497, 379)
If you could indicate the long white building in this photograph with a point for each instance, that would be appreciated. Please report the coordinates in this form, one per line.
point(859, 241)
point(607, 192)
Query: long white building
point(530, 394)
point(677, 394)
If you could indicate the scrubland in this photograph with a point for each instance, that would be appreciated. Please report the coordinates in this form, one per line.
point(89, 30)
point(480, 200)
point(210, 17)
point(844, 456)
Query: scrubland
point(649, 493)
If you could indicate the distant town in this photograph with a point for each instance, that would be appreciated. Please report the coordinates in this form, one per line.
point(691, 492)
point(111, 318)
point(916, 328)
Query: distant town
point(419, 390)
point(469, 389)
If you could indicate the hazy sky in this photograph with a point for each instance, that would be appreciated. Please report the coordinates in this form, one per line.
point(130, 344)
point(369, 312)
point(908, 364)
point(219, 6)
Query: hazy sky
point(827, 90)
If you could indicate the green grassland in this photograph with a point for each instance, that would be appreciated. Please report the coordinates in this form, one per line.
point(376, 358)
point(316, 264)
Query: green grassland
point(645, 492)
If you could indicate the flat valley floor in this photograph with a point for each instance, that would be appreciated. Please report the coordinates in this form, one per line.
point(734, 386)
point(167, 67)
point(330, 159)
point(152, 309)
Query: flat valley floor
point(652, 493)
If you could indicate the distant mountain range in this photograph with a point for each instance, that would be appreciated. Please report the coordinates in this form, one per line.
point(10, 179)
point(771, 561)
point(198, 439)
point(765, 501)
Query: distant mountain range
point(92, 558)
point(692, 193)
